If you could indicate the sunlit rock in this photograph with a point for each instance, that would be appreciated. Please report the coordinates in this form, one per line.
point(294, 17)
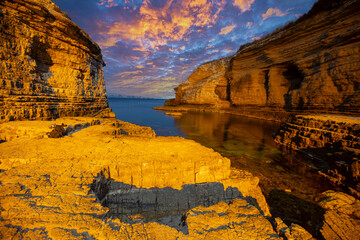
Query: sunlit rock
point(49, 67)
point(94, 184)
point(342, 216)
point(206, 85)
point(310, 64)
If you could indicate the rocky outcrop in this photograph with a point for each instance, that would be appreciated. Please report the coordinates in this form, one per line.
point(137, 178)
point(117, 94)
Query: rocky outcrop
point(342, 216)
point(49, 67)
point(312, 63)
point(208, 84)
point(335, 139)
point(75, 186)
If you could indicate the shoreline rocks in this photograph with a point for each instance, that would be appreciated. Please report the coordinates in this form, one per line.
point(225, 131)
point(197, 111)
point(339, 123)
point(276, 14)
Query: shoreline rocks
point(333, 139)
point(46, 183)
point(342, 216)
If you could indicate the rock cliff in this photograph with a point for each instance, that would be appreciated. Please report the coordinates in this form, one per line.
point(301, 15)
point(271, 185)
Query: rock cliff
point(208, 84)
point(49, 67)
point(312, 63)
point(335, 139)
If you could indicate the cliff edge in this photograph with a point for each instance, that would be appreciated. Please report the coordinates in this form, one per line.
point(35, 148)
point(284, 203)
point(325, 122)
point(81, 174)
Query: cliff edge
point(311, 64)
point(49, 67)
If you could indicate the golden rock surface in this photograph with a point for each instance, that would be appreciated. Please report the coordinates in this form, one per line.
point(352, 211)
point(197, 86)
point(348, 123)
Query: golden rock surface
point(49, 67)
point(206, 85)
point(45, 183)
point(342, 216)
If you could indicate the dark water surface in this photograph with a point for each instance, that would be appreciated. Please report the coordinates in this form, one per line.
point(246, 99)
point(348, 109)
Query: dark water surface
point(247, 142)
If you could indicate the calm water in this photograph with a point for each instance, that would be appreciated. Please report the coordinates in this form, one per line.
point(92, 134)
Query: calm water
point(247, 142)
point(288, 182)
point(140, 112)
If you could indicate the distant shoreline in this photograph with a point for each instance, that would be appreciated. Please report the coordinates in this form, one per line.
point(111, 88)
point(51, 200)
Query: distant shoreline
point(140, 98)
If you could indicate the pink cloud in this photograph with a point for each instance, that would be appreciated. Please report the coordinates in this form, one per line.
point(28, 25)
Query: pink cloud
point(243, 5)
point(156, 26)
point(227, 29)
point(273, 12)
point(107, 3)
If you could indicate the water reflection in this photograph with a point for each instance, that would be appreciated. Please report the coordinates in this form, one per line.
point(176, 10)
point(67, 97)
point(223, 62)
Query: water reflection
point(249, 144)
point(230, 135)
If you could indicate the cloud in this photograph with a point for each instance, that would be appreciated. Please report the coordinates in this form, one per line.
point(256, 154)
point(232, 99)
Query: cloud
point(250, 24)
point(107, 3)
point(228, 50)
point(243, 5)
point(157, 24)
point(227, 29)
point(273, 12)
point(151, 46)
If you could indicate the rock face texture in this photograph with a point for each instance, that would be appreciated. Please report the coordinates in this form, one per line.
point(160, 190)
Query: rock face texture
point(335, 139)
point(342, 216)
point(311, 64)
point(49, 67)
point(71, 187)
point(208, 84)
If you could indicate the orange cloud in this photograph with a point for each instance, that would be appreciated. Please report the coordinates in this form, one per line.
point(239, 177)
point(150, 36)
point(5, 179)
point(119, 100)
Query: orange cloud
point(243, 5)
point(108, 3)
point(127, 74)
point(227, 29)
point(273, 12)
point(158, 25)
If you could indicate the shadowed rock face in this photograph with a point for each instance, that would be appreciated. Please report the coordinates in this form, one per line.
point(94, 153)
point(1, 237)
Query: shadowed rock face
point(312, 64)
point(49, 67)
point(336, 139)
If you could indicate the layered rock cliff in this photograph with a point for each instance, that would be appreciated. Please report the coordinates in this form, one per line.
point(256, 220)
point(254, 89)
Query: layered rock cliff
point(312, 63)
point(49, 67)
point(208, 84)
point(335, 139)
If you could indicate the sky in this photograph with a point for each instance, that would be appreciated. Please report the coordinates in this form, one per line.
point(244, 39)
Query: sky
point(151, 46)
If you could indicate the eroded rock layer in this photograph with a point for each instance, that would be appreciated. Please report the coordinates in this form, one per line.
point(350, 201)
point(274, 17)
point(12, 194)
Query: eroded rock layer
point(49, 67)
point(208, 84)
point(335, 139)
point(311, 64)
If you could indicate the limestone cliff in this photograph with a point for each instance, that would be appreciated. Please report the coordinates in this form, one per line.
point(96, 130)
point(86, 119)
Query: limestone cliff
point(312, 63)
point(206, 85)
point(49, 67)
